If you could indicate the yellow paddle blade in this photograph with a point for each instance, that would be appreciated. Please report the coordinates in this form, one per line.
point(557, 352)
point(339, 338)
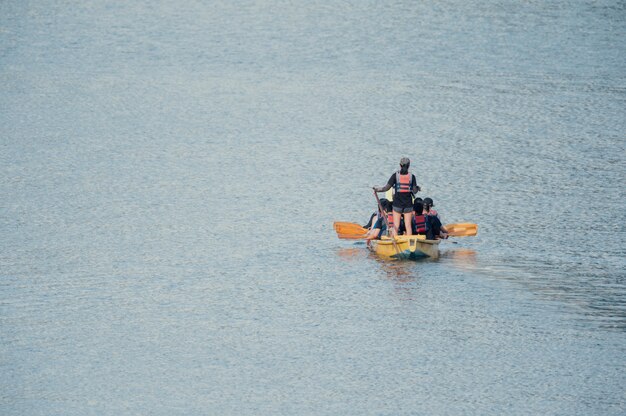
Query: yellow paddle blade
point(351, 236)
point(465, 229)
point(342, 230)
point(348, 228)
point(345, 224)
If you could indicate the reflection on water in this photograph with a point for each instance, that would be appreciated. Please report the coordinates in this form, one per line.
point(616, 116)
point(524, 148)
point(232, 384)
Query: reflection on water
point(400, 271)
point(402, 274)
point(464, 258)
point(352, 253)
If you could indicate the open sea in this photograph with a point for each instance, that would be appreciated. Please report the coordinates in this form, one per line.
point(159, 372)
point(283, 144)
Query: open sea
point(170, 172)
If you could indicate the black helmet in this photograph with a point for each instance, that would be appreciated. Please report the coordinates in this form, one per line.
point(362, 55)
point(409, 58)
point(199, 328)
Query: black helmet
point(404, 165)
point(418, 207)
point(429, 202)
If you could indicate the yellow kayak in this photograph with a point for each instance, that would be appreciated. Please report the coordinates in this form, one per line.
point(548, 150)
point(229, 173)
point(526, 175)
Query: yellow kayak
point(406, 247)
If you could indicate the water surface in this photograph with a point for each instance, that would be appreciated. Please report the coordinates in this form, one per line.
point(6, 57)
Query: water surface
point(170, 173)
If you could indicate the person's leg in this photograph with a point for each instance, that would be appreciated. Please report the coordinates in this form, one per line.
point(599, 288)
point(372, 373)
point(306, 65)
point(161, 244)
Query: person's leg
point(396, 220)
point(408, 221)
point(443, 232)
point(401, 228)
point(373, 234)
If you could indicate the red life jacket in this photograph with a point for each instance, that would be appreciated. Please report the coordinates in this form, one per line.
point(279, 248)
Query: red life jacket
point(420, 224)
point(404, 183)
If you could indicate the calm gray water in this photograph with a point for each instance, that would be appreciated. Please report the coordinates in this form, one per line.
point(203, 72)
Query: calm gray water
point(170, 172)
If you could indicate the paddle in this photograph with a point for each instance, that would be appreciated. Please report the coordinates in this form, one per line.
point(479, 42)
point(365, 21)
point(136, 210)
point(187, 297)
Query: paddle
point(353, 231)
point(352, 236)
point(349, 228)
point(465, 229)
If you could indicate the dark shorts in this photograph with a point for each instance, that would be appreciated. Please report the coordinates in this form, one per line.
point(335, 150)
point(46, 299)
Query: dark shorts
point(403, 210)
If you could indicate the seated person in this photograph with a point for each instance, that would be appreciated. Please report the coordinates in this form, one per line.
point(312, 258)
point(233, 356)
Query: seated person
point(434, 228)
point(380, 226)
point(419, 219)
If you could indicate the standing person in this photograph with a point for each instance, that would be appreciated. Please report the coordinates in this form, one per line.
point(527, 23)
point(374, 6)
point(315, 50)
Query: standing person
point(405, 185)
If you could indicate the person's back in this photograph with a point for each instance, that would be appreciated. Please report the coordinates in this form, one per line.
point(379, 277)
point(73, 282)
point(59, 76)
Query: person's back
point(434, 228)
point(419, 219)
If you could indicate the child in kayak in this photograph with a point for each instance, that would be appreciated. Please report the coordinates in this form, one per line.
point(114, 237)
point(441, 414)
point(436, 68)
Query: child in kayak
point(434, 228)
point(380, 226)
point(419, 219)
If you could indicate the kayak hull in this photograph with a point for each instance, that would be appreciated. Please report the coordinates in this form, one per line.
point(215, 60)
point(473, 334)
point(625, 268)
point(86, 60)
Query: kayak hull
point(407, 247)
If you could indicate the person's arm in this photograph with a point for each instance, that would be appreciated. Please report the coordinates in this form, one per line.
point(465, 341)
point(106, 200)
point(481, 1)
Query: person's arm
point(385, 188)
point(443, 233)
point(416, 188)
point(382, 188)
point(373, 234)
point(441, 221)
